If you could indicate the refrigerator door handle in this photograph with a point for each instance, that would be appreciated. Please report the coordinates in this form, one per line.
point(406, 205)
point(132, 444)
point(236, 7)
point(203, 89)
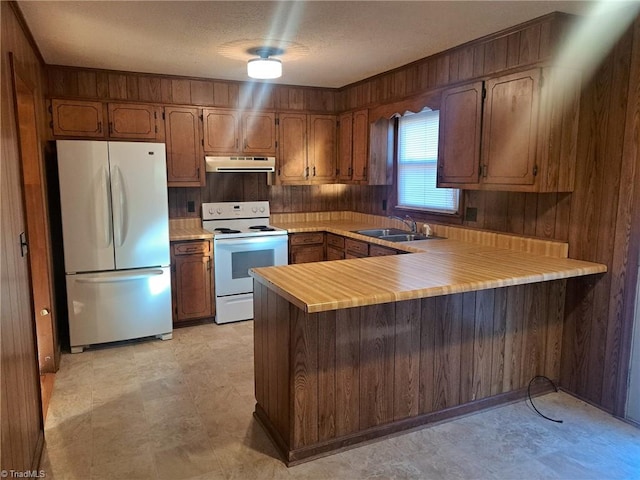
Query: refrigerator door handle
point(120, 277)
point(108, 234)
point(119, 208)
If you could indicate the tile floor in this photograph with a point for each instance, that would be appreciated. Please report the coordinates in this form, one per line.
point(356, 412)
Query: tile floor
point(182, 409)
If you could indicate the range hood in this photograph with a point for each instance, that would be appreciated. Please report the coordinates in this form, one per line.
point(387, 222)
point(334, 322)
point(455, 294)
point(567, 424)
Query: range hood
point(240, 164)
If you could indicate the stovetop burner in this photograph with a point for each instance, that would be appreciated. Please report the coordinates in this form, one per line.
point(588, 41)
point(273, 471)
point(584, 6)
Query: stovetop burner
point(226, 230)
point(262, 228)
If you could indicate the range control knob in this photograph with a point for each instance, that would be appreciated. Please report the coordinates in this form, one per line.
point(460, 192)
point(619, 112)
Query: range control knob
point(219, 211)
point(254, 209)
point(211, 211)
point(261, 209)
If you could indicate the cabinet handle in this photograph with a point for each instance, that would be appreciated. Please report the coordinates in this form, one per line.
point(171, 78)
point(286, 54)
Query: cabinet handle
point(306, 172)
point(236, 143)
point(350, 171)
point(484, 171)
point(246, 144)
point(110, 128)
point(99, 127)
point(314, 170)
point(364, 171)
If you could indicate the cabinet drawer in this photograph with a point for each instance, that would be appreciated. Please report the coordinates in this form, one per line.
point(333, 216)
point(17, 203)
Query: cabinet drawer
point(379, 251)
point(335, 240)
point(306, 238)
point(306, 254)
point(190, 248)
point(334, 253)
point(356, 247)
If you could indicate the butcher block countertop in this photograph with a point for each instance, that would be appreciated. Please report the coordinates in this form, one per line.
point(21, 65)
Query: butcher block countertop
point(439, 267)
point(181, 229)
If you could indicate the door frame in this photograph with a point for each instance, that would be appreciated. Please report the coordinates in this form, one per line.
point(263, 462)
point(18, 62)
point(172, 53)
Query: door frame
point(37, 218)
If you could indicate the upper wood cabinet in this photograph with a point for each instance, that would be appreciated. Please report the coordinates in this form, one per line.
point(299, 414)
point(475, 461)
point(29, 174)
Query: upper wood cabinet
point(306, 149)
point(231, 132)
point(381, 145)
point(71, 118)
point(185, 159)
point(522, 137)
point(353, 146)
point(131, 121)
point(458, 154)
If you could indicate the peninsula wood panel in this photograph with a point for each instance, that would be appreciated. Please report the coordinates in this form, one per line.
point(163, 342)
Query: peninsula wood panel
point(352, 372)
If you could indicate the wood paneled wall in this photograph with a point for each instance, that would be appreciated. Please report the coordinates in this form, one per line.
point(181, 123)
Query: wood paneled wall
point(21, 425)
point(233, 187)
point(517, 47)
point(107, 85)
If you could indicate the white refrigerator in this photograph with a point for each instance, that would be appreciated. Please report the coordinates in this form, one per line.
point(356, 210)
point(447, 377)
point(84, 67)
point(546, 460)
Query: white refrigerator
point(115, 229)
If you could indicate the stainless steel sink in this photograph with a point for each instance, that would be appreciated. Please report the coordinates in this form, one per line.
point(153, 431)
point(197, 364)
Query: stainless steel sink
point(380, 232)
point(404, 237)
point(394, 235)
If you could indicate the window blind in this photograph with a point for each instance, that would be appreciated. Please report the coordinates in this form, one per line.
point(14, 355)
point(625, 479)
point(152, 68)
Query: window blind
point(417, 164)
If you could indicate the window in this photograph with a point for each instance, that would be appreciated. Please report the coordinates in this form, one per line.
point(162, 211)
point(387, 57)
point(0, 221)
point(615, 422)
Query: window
point(417, 163)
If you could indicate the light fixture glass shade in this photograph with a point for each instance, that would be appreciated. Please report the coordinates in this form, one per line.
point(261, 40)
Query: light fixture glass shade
point(264, 68)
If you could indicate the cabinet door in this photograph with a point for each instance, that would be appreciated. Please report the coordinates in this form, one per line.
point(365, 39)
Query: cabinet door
point(77, 119)
point(321, 150)
point(360, 145)
point(345, 138)
point(133, 121)
point(221, 131)
point(292, 148)
point(380, 152)
point(193, 290)
point(185, 160)
point(459, 135)
point(259, 133)
point(510, 129)
point(306, 254)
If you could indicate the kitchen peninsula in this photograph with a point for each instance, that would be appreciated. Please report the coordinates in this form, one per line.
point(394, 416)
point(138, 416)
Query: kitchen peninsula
point(347, 351)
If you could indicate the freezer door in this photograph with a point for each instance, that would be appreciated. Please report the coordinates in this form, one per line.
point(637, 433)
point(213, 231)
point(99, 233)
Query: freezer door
point(140, 205)
point(112, 306)
point(85, 198)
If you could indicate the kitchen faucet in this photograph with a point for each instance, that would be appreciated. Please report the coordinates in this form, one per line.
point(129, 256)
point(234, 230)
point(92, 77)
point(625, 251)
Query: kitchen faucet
point(409, 222)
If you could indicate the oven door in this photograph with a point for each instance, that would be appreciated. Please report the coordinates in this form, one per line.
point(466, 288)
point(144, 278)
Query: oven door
point(233, 257)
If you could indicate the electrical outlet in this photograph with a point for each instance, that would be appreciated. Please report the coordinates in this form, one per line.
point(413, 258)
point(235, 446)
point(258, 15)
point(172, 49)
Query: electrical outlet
point(471, 214)
point(191, 206)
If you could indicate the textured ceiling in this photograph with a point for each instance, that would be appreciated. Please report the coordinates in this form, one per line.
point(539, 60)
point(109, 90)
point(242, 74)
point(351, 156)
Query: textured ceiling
point(327, 44)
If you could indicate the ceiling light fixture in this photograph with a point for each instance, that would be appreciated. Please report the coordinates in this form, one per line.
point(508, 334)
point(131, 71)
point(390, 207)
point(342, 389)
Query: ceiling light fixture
point(263, 67)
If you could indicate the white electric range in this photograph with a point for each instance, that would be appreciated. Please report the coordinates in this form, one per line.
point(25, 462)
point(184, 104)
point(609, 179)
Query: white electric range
point(242, 239)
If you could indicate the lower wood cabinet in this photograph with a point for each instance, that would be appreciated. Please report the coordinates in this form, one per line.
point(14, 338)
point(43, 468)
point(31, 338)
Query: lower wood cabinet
point(192, 280)
point(318, 246)
point(335, 247)
point(355, 248)
point(306, 247)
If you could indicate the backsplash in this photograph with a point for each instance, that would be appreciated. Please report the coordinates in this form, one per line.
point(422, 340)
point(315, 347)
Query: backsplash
point(246, 187)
